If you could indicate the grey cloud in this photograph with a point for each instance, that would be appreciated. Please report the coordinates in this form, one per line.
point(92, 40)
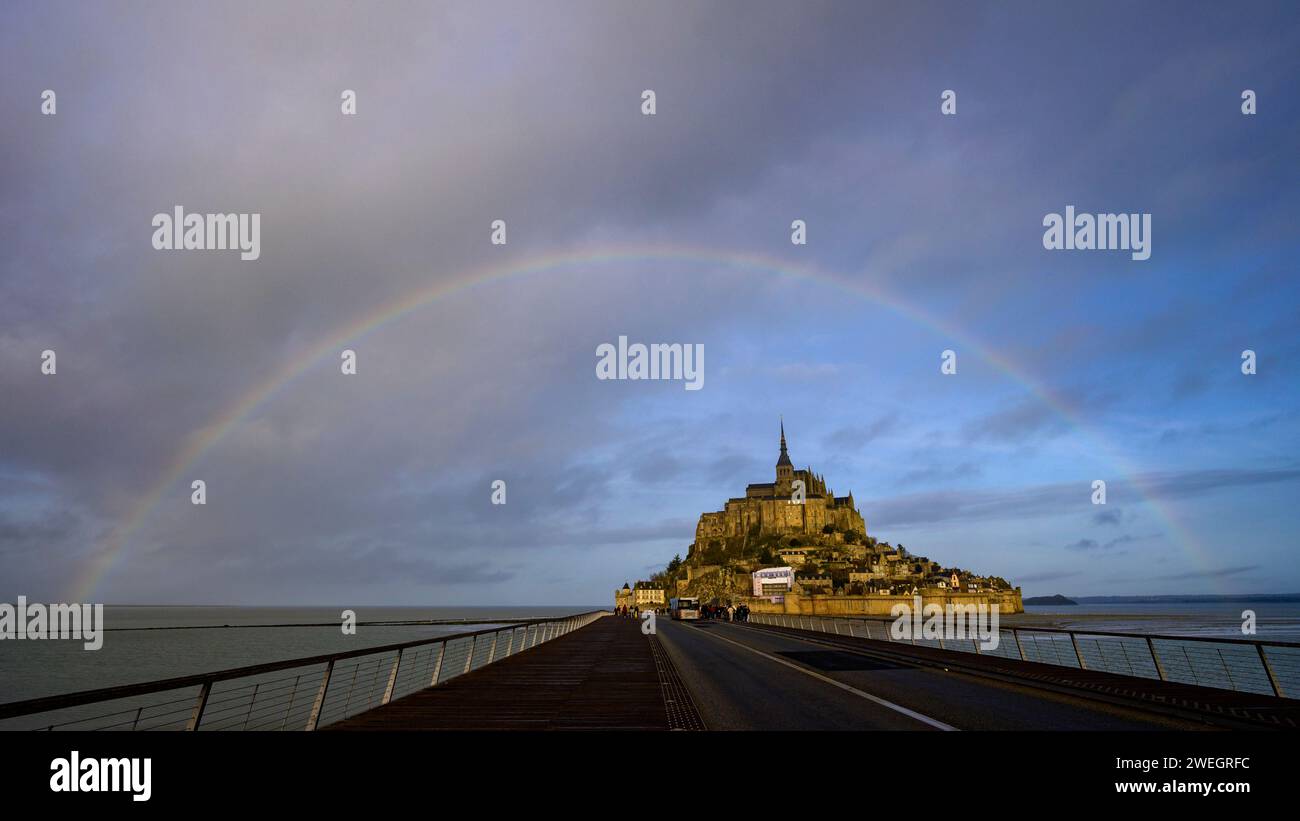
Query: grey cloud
point(1093, 544)
point(855, 437)
point(1108, 517)
point(938, 473)
point(1040, 500)
point(1046, 576)
point(1221, 572)
point(1031, 417)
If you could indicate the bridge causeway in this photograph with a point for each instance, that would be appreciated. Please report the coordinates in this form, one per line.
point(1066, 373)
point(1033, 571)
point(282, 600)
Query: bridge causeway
point(605, 676)
point(594, 671)
point(1210, 704)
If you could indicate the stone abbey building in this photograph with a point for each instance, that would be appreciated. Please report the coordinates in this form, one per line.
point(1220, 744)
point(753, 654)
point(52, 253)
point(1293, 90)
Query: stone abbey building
point(771, 508)
point(793, 546)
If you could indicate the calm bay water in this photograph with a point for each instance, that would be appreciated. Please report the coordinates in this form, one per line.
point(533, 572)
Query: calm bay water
point(1277, 621)
point(30, 669)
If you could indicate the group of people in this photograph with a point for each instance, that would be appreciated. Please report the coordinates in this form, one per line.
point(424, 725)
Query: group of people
point(725, 612)
point(635, 612)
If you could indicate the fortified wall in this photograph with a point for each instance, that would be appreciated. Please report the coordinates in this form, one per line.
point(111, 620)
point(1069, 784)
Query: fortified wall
point(796, 604)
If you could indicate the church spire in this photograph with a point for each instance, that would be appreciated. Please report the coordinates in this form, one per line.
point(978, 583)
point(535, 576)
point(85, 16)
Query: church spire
point(785, 457)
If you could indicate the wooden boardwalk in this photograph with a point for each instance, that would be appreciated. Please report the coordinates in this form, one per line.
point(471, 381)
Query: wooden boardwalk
point(605, 676)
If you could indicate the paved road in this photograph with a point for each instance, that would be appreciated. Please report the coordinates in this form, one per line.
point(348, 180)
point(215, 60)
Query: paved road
point(746, 678)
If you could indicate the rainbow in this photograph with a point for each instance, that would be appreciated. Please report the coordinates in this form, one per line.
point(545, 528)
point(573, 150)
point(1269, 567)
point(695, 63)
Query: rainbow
point(102, 559)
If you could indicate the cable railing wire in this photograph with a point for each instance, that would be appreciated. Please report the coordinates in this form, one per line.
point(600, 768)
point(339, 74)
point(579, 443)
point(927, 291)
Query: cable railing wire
point(311, 693)
point(1244, 665)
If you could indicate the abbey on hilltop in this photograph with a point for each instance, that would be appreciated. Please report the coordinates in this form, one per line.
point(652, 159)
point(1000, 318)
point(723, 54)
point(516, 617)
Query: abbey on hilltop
point(797, 502)
point(793, 546)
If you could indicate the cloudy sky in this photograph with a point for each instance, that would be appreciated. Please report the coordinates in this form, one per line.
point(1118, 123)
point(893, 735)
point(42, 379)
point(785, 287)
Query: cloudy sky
point(924, 234)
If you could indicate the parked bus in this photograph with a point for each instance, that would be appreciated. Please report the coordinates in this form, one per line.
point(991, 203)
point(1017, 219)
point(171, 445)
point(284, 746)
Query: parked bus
point(684, 608)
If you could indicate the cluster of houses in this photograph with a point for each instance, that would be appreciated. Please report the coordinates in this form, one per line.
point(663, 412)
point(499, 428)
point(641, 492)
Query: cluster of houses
point(866, 569)
point(873, 569)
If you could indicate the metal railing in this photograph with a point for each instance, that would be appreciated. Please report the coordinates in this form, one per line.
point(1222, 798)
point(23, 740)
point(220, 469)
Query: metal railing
point(1244, 665)
point(296, 694)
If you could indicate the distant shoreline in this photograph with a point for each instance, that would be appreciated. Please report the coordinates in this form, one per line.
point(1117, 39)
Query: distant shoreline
point(1188, 598)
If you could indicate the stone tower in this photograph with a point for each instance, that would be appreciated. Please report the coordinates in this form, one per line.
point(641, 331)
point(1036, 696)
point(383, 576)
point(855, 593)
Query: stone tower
point(784, 468)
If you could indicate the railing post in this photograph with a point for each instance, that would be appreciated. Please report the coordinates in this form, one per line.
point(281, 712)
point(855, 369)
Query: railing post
point(199, 706)
point(352, 686)
point(437, 668)
point(314, 718)
point(1226, 671)
point(1155, 659)
point(392, 678)
point(1268, 668)
point(251, 702)
point(136, 723)
point(1016, 635)
point(292, 694)
point(469, 659)
point(1077, 653)
point(510, 646)
point(1123, 651)
point(492, 653)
